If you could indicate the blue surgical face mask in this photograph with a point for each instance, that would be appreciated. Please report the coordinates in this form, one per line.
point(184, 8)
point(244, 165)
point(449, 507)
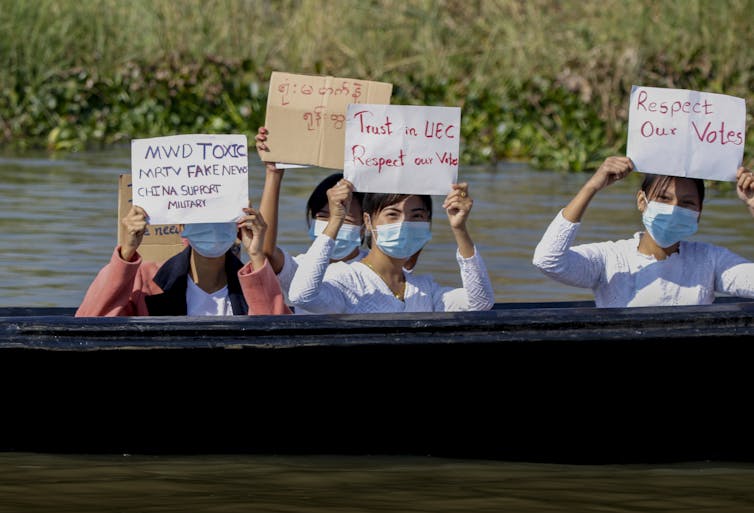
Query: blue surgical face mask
point(348, 239)
point(668, 224)
point(210, 240)
point(401, 240)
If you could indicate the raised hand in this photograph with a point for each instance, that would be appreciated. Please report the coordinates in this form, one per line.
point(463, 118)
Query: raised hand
point(261, 139)
point(262, 148)
point(135, 223)
point(458, 205)
point(253, 228)
point(745, 187)
point(339, 202)
point(612, 170)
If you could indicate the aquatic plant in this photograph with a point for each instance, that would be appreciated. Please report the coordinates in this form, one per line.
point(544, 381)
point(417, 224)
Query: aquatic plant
point(542, 80)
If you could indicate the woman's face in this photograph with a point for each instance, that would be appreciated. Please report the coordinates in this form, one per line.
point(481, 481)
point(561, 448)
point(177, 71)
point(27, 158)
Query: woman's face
point(679, 191)
point(353, 217)
point(410, 209)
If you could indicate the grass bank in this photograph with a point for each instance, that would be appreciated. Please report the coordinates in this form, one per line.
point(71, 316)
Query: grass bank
point(541, 80)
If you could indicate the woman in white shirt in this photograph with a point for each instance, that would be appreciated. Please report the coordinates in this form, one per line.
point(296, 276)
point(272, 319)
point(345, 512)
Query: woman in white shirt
point(349, 238)
point(398, 226)
point(656, 267)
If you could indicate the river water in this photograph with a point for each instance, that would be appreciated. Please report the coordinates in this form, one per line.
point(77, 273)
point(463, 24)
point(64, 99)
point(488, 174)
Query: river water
point(327, 484)
point(58, 220)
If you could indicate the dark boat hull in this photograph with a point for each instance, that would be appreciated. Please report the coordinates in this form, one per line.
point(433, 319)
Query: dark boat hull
point(523, 382)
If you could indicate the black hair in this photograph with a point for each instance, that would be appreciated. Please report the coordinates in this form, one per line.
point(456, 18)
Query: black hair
point(660, 182)
point(374, 203)
point(318, 198)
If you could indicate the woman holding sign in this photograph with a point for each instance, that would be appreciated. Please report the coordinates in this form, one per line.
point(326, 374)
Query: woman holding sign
point(204, 279)
point(348, 241)
point(657, 267)
point(399, 227)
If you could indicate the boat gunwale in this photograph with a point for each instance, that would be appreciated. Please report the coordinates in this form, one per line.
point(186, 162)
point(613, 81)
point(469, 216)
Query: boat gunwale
point(725, 320)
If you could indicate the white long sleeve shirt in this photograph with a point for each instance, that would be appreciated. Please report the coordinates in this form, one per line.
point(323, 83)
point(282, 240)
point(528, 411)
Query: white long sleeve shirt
point(621, 276)
point(288, 271)
point(355, 288)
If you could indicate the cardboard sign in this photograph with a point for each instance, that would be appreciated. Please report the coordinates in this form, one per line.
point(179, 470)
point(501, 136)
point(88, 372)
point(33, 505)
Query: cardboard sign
point(197, 178)
point(160, 241)
point(306, 116)
point(402, 149)
point(679, 132)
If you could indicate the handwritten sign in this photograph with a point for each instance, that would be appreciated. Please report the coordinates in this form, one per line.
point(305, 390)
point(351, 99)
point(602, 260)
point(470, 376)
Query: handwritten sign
point(161, 241)
point(679, 132)
point(402, 148)
point(306, 116)
point(196, 178)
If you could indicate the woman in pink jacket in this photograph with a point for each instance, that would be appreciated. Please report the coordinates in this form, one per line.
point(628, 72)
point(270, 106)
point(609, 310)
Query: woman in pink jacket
point(204, 279)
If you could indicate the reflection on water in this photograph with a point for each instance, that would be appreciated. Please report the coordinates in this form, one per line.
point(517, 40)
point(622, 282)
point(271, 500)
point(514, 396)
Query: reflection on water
point(81, 484)
point(58, 219)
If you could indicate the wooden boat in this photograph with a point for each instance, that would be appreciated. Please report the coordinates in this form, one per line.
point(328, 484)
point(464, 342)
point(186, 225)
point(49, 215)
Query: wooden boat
point(559, 382)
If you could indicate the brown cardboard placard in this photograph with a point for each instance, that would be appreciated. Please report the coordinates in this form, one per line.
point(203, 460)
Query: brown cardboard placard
point(161, 241)
point(306, 116)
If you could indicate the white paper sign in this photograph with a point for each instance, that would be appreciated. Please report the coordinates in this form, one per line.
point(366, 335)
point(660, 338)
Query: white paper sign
point(284, 165)
point(402, 148)
point(197, 178)
point(679, 132)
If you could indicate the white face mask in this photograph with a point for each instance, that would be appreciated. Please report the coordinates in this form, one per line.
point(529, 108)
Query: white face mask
point(210, 240)
point(348, 239)
point(401, 240)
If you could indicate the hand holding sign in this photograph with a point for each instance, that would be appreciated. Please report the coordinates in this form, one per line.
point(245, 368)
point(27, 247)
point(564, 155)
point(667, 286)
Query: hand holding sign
point(159, 241)
point(339, 203)
point(612, 170)
point(261, 143)
point(402, 148)
point(253, 227)
point(745, 187)
point(135, 224)
point(686, 133)
point(458, 205)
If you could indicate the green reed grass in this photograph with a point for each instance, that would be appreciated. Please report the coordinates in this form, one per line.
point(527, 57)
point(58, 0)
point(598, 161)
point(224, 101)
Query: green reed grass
point(544, 80)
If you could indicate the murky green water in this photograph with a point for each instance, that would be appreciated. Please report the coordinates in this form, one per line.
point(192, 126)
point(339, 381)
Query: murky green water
point(225, 484)
point(58, 224)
